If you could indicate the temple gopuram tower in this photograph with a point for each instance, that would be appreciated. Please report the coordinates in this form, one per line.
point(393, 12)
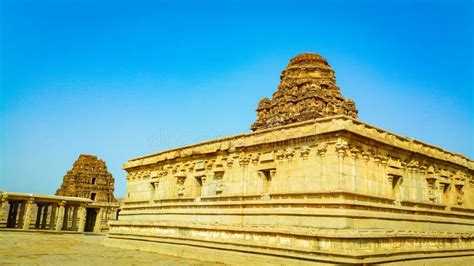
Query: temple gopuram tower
point(90, 179)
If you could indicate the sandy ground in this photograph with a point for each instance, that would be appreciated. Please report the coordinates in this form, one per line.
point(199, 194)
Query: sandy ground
point(19, 248)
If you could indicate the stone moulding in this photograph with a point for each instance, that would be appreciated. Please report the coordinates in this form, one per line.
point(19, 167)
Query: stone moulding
point(301, 130)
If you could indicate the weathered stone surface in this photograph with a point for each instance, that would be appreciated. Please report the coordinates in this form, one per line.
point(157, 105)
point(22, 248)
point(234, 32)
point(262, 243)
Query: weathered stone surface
point(90, 179)
point(307, 91)
point(74, 249)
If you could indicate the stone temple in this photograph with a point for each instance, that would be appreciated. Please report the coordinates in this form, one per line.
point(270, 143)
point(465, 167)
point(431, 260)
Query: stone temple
point(85, 202)
point(311, 184)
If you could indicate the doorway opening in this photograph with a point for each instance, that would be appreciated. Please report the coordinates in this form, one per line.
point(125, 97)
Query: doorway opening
point(12, 221)
point(91, 216)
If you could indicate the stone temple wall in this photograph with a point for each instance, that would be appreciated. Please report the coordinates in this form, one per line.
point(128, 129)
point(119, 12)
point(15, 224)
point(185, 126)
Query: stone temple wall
point(333, 189)
point(310, 184)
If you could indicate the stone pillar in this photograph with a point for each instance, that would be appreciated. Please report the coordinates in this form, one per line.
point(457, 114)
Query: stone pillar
point(45, 215)
point(341, 147)
point(385, 183)
point(280, 180)
point(418, 186)
point(244, 162)
point(60, 217)
point(27, 215)
point(82, 218)
point(322, 149)
point(74, 218)
point(3, 208)
point(22, 213)
point(378, 177)
point(392, 192)
point(366, 176)
point(53, 216)
point(66, 217)
point(38, 215)
point(353, 186)
point(98, 221)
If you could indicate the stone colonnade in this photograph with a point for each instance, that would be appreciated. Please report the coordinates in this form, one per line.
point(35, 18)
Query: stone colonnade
point(41, 212)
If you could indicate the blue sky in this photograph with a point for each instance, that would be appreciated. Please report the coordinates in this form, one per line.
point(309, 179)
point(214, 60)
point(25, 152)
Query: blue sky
point(120, 79)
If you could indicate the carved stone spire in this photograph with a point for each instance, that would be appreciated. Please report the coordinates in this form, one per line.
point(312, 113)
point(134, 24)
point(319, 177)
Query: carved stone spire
point(88, 178)
point(307, 90)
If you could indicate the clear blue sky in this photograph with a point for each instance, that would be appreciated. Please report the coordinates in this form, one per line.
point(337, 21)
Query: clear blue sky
point(121, 79)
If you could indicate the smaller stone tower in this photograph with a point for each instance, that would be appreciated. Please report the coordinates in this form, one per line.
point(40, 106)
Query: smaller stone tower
point(90, 179)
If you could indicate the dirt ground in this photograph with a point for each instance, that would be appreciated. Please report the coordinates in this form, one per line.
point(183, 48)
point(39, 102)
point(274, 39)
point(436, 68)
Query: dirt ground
point(28, 248)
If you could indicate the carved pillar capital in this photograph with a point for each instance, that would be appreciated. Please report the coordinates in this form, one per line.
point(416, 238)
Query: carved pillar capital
point(377, 158)
point(322, 149)
point(272, 173)
point(354, 151)
point(280, 154)
point(341, 147)
point(289, 153)
point(392, 177)
point(366, 155)
point(229, 162)
point(305, 152)
point(244, 161)
point(255, 158)
point(413, 166)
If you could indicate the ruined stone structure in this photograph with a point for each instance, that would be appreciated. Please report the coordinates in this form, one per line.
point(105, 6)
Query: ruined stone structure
point(307, 91)
point(311, 184)
point(90, 179)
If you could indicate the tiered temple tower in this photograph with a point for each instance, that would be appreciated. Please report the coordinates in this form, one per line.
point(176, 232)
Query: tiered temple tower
point(88, 178)
point(307, 91)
